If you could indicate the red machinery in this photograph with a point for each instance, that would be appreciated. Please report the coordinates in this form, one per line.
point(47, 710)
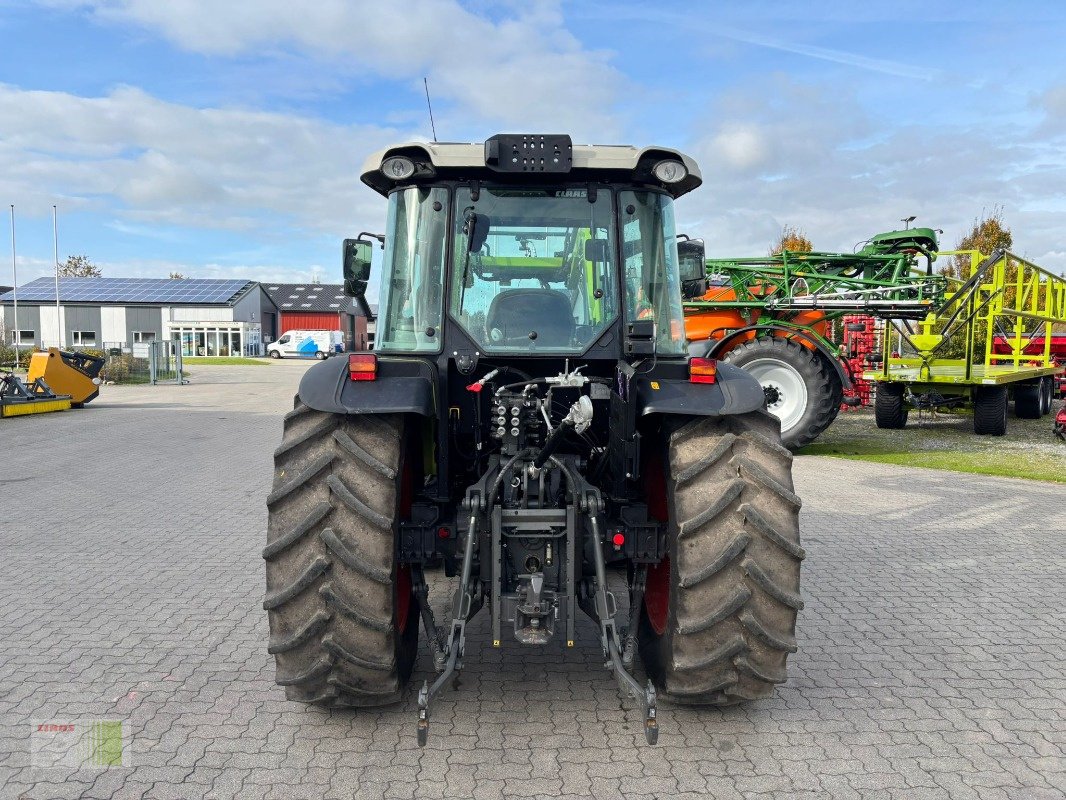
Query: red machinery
point(858, 350)
point(1036, 347)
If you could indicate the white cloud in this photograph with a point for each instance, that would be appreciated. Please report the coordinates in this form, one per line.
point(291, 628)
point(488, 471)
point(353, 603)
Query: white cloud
point(741, 146)
point(816, 160)
point(524, 70)
point(162, 162)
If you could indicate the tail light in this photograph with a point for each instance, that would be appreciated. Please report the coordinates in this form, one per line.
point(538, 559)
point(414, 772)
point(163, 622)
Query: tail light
point(363, 366)
point(702, 370)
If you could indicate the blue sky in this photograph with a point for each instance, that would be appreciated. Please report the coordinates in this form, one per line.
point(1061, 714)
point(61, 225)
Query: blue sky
point(225, 138)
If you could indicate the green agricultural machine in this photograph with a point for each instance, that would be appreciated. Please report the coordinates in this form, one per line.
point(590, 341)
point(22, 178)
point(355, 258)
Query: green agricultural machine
point(529, 424)
point(771, 315)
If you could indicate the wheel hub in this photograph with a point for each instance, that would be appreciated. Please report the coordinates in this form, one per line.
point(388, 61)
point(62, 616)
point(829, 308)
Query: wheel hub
point(784, 389)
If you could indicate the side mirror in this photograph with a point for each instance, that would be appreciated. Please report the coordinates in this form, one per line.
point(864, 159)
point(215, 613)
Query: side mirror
point(477, 231)
point(596, 250)
point(692, 267)
point(357, 254)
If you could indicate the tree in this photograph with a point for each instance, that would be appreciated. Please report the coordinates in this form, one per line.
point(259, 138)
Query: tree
point(792, 239)
point(986, 235)
point(176, 276)
point(79, 267)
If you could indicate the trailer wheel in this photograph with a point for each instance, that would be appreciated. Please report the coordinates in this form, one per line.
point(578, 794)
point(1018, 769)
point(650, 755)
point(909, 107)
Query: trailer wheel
point(990, 411)
point(343, 621)
point(719, 613)
point(800, 385)
point(1047, 394)
point(1028, 398)
point(890, 409)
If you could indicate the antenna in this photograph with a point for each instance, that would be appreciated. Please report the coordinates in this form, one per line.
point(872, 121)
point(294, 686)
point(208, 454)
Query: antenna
point(432, 124)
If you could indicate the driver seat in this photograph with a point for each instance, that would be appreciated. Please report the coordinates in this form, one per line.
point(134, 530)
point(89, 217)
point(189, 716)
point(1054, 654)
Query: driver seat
point(516, 312)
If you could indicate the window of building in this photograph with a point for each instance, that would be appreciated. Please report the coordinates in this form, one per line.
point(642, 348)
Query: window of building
point(144, 336)
point(83, 338)
point(22, 337)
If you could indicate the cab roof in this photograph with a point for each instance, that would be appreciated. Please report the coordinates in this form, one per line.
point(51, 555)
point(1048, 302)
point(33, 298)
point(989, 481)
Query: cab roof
point(492, 159)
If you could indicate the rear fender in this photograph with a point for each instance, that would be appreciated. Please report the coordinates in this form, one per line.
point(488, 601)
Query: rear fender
point(733, 392)
point(719, 348)
point(402, 386)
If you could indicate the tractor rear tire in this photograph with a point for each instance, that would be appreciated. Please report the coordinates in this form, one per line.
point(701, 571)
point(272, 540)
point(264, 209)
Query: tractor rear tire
point(801, 387)
point(990, 411)
point(343, 619)
point(890, 409)
point(719, 616)
point(1028, 398)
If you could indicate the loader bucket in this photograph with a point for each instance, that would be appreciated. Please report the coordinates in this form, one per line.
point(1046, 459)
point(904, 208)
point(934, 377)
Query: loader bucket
point(73, 374)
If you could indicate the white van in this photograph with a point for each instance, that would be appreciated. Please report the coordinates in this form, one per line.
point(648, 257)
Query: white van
point(306, 344)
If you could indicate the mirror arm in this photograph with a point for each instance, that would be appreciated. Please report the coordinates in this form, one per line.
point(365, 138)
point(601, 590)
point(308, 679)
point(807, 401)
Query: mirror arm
point(364, 306)
point(379, 236)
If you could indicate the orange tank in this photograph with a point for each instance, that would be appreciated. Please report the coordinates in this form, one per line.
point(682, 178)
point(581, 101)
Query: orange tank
point(711, 324)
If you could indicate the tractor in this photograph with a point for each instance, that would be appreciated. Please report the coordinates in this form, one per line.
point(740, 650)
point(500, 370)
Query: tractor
point(529, 423)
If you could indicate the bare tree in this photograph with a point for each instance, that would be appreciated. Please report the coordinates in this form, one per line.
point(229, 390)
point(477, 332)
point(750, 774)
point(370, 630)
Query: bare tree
point(79, 267)
point(177, 276)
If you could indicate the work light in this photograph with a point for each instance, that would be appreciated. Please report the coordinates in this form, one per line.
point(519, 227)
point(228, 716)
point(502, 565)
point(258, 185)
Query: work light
point(670, 171)
point(398, 168)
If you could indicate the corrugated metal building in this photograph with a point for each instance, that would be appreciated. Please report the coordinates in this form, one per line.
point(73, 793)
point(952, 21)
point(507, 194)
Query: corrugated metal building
point(318, 307)
point(209, 317)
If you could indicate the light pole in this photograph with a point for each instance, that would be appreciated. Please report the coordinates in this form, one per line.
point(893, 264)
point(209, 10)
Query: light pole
point(55, 242)
point(15, 289)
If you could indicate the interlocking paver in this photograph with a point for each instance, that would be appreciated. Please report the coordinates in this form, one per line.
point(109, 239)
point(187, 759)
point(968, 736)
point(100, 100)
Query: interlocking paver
point(932, 661)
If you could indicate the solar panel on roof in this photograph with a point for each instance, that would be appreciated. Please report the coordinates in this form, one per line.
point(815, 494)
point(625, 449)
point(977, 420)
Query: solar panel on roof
point(132, 290)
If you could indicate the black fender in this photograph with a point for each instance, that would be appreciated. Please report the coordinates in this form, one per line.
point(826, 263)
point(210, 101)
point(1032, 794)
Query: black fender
point(733, 392)
point(402, 386)
point(705, 350)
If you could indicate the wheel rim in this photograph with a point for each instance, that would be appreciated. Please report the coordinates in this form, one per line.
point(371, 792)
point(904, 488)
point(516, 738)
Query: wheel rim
point(785, 388)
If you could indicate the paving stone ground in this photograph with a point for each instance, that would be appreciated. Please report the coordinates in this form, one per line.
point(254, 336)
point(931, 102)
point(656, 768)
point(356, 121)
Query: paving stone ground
point(932, 661)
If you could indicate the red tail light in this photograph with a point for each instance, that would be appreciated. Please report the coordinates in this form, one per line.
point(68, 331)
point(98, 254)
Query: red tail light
point(702, 370)
point(363, 366)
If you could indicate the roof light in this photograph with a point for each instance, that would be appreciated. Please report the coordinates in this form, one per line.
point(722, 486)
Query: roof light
point(363, 366)
point(670, 171)
point(397, 168)
point(702, 370)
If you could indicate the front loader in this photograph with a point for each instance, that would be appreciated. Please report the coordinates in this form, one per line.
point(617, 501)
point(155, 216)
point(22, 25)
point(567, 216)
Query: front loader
point(530, 422)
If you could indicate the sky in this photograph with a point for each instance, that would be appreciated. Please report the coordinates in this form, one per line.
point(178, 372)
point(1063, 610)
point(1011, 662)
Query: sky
point(225, 139)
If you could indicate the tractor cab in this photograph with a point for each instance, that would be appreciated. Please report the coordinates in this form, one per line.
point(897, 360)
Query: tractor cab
point(528, 245)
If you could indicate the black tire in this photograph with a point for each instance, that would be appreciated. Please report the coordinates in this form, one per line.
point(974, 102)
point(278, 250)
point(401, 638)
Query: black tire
point(990, 411)
point(890, 409)
point(719, 617)
point(275, 354)
point(320, 355)
point(823, 385)
point(1047, 394)
point(343, 620)
point(1027, 400)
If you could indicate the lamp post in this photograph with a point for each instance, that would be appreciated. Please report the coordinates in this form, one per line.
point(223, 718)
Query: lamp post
point(55, 241)
point(15, 289)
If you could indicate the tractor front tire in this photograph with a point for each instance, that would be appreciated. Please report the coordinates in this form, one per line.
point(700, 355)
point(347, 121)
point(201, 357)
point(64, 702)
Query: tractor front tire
point(890, 409)
point(719, 616)
point(343, 619)
point(800, 385)
point(990, 411)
